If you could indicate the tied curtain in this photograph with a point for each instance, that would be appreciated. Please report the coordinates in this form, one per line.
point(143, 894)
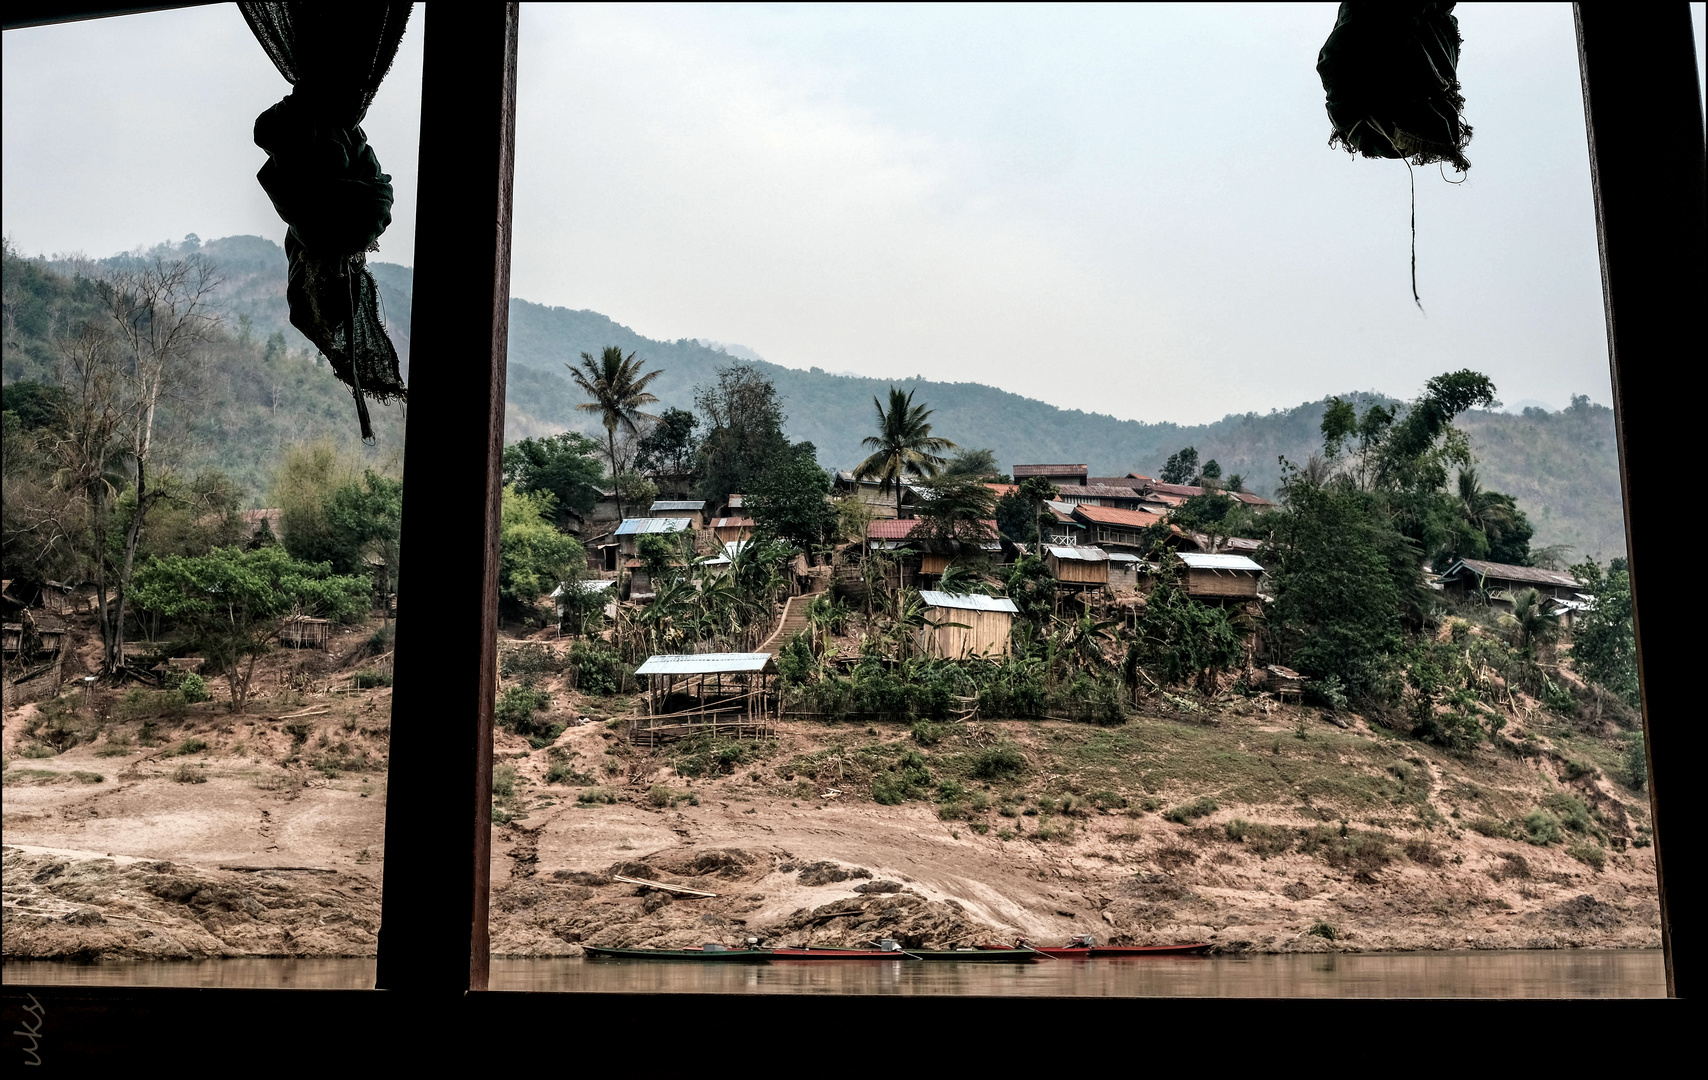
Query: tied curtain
point(326, 183)
point(1390, 72)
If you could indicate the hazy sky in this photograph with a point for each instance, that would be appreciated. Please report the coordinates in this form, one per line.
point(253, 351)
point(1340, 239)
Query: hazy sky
point(1126, 209)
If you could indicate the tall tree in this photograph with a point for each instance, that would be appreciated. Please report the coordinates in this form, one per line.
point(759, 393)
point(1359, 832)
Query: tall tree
point(617, 390)
point(668, 449)
point(792, 500)
point(1181, 467)
point(744, 431)
point(903, 445)
point(562, 465)
point(161, 315)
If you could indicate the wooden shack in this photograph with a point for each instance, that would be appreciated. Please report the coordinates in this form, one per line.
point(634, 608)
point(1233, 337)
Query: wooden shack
point(1500, 582)
point(302, 632)
point(1075, 565)
point(966, 625)
point(693, 511)
point(729, 530)
point(1220, 577)
point(628, 534)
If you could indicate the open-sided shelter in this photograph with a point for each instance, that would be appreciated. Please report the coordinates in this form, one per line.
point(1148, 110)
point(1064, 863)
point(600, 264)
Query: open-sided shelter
point(966, 625)
point(731, 694)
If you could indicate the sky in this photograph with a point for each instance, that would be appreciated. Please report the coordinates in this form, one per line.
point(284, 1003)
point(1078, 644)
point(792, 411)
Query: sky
point(1126, 209)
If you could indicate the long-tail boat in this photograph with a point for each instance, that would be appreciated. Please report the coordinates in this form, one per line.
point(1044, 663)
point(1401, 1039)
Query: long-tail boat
point(1086, 948)
point(708, 952)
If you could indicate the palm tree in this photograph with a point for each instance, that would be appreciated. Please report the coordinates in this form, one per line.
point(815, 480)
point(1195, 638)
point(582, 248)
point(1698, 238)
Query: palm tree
point(618, 390)
point(1530, 623)
point(903, 444)
point(1483, 511)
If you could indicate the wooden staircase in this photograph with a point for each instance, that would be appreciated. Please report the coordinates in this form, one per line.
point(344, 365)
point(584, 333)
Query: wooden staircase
point(794, 620)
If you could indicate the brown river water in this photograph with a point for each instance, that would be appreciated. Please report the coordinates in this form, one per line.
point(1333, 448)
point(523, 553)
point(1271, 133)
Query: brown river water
point(1519, 974)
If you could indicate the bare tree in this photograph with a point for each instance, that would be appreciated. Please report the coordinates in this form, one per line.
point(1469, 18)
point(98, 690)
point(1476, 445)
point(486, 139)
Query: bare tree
point(155, 323)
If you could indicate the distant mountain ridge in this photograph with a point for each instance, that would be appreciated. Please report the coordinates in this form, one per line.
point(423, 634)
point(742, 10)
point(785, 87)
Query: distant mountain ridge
point(1562, 466)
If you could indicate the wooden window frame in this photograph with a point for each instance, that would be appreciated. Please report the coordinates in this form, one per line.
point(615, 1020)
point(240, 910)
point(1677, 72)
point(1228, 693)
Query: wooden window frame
point(1644, 123)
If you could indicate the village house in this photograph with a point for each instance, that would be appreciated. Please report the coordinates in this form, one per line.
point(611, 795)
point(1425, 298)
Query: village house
point(592, 585)
point(1124, 498)
point(883, 503)
point(1066, 528)
point(1125, 569)
point(1220, 577)
point(1083, 567)
point(693, 511)
point(1059, 475)
point(1108, 526)
point(931, 555)
point(731, 529)
point(628, 534)
point(1500, 582)
point(965, 625)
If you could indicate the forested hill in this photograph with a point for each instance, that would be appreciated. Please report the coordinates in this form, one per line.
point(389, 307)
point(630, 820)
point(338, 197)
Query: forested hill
point(1562, 466)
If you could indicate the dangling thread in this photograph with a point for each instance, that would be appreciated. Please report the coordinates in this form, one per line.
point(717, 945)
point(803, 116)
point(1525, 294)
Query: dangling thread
point(1413, 174)
point(356, 375)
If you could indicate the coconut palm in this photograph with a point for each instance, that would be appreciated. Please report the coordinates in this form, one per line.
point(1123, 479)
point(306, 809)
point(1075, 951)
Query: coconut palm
point(1528, 622)
point(618, 390)
point(904, 444)
point(1482, 511)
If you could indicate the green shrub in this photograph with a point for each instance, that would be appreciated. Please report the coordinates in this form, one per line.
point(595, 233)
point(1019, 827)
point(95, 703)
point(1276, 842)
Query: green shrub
point(185, 748)
point(905, 778)
point(1490, 827)
point(117, 745)
point(1107, 800)
point(560, 771)
point(1263, 840)
point(999, 763)
point(595, 668)
point(38, 750)
point(1323, 930)
point(1636, 762)
point(1008, 810)
point(661, 796)
point(1572, 812)
point(1541, 828)
point(503, 782)
point(194, 688)
point(706, 756)
point(925, 733)
point(189, 774)
point(369, 680)
point(1588, 854)
point(1187, 813)
point(515, 710)
point(528, 659)
point(596, 795)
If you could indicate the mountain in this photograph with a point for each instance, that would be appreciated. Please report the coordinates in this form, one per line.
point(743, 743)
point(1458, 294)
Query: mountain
point(1562, 465)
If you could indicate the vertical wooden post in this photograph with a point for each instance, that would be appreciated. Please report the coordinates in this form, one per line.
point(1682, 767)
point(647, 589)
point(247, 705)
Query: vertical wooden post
point(1643, 112)
point(433, 928)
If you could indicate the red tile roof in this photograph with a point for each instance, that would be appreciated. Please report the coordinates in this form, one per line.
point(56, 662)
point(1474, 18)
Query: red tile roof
point(1109, 515)
point(898, 529)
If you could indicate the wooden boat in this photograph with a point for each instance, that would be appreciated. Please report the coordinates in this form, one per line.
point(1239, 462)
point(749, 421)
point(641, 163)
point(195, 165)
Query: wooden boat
point(836, 954)
point(1113, 952)
point(701, 953)
point(979, 955)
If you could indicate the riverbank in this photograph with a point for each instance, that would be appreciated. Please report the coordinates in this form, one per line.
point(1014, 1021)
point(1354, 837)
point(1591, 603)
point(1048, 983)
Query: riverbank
point(1259, 828)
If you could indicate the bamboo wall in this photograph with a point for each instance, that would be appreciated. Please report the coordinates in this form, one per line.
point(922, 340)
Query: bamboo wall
point(1078, 571)
point(1224, 583)
point(985, 632)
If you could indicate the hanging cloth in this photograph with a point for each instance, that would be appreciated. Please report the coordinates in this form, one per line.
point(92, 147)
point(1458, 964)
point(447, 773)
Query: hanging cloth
point(1390, 72)
point(326, 183)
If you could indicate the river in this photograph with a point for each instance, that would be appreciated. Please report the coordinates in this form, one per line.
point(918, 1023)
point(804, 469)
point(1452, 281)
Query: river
point(1517, 974)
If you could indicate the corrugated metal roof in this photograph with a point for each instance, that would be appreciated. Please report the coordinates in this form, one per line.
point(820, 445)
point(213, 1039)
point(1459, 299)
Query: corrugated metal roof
point(637, 526)
point(1082, 554)
point(1097, 491)
point(1122, 556)
point(703, 663)
point(678, 504)
point(735, 501)
point(1198, 561)
point(1049, 470)
point(968, 601)
point(591, 585)
point(1507, 572)
point(733, 523)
